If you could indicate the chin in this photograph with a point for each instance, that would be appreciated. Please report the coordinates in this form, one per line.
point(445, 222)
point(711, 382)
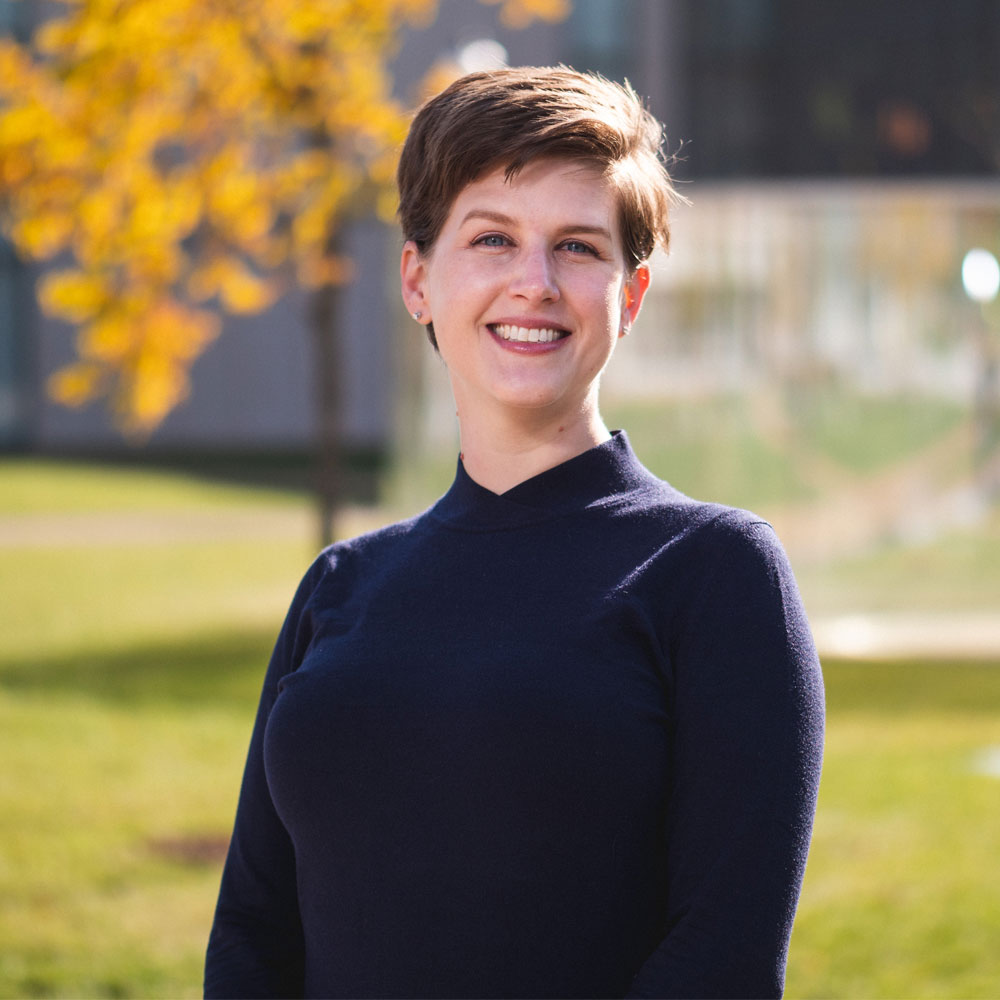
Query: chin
point(531, 399)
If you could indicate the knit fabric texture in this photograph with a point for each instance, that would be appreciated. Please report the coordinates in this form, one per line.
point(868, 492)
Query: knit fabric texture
point(559, 742)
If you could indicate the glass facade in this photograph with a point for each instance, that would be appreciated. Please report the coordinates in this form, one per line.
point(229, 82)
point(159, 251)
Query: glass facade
point(777, 88)
point(856, 88)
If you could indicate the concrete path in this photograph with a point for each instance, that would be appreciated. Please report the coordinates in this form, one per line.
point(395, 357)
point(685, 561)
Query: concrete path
point(967, 635)
point(156, 527)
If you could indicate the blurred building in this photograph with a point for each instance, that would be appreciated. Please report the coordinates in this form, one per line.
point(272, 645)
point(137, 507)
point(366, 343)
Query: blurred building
point(840, 159)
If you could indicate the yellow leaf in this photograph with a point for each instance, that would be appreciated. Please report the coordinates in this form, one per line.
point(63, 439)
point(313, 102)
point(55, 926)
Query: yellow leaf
point(386, 204)
point(73, 295)
point(154, 262)
point(151, 390)
point(76, 384)
point(243, 292)
point(440, 75)
point(101, 210)
point(316, 271)
point(174, 332)
point(14, 66)
point(109, 339)
point(420, 13)
point(42, 235)
point(240, 290)
point(520, 13)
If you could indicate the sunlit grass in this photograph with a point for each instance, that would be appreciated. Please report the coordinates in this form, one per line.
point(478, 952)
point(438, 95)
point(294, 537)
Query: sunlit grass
point(89, 905)
point(112, 596)
point(710, 450)
point(957, 571)
point(753, 452)
point(128, 678)
point(863, 433)
point(39, 486)
point(901, 897)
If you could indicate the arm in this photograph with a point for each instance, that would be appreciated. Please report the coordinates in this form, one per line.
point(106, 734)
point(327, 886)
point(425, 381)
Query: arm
point(747, 745)
point(255, 948)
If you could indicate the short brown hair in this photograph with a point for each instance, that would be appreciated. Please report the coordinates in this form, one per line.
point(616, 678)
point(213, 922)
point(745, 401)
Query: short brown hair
point(508, 117)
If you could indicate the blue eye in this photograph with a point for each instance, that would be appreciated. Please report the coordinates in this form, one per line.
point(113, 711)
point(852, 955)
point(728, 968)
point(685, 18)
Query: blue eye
point(491, 240)
point(578, 246)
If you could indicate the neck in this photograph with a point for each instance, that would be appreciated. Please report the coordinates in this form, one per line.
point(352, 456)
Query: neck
point(500, 454)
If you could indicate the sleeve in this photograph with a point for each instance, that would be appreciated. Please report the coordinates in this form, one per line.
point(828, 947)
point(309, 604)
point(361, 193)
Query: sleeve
point(747, 744)
point(255, 948)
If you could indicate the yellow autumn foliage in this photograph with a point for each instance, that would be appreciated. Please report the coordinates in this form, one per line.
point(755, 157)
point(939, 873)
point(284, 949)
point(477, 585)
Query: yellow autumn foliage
point(193, 156)
point(76, 295)
point(238, 288)
point(76, 383)
point(157, 384)
point(107, 340)
point(520, 13)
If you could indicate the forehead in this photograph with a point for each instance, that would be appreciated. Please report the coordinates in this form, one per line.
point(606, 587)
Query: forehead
point(551, 186)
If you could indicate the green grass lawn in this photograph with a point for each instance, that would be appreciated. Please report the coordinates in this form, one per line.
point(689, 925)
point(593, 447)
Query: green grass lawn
point(128, 679)
point(863, 433)
point(710, 450)
point(902, 891)
point(958, 571)
point(746, 452)
point(37, 485)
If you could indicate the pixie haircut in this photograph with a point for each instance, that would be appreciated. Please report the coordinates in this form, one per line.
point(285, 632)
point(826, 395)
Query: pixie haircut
point(530, 112)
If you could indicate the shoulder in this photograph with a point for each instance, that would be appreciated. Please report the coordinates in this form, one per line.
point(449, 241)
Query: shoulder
point(728, 548)
point(707, 530)
point(372, 544)
point(739, 582)
point(348, 558)
point(335, 581)
point(739, 615)
point(338, 566)
point(731, 533)
point(713, 561)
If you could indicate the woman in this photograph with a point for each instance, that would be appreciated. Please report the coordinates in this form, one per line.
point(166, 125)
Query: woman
point(559, 735)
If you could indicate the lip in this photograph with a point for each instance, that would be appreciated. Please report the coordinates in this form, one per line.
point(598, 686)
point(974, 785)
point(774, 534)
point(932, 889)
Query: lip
point(523, 323)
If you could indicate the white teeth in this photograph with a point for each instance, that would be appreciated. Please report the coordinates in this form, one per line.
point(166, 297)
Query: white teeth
point(527, 335)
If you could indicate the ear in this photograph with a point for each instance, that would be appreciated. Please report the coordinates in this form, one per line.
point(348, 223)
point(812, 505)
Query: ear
point(413, 280)
point(634, 292)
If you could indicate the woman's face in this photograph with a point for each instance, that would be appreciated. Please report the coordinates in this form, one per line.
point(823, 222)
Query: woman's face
point(527, 289)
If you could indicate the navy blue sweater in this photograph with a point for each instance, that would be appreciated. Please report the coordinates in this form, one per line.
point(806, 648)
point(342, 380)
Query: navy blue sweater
point(560, 742)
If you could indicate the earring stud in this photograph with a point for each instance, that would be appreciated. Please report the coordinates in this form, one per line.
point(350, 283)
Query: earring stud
point(417, 315)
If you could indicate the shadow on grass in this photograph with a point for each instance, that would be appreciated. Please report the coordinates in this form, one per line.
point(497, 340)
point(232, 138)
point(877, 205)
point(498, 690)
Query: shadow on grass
point(897, 687)
point(217, 668)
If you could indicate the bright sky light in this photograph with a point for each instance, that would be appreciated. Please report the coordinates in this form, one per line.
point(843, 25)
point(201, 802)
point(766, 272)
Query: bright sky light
point(981, 275)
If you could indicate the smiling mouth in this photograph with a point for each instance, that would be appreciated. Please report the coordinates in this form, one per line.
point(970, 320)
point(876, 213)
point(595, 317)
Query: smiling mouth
point(528, 335)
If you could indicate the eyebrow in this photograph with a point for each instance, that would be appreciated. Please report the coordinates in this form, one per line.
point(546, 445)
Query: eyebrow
point(506, 220)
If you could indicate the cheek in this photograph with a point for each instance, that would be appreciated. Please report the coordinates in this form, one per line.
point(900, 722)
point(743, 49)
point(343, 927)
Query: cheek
point(612, 296)
point(454, 286)
point(612, 305)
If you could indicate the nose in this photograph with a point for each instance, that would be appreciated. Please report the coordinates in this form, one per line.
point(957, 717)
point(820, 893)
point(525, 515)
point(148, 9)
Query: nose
point(534, 277)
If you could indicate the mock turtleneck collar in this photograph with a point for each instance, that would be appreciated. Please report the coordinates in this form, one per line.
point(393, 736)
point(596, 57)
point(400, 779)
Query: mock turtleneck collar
point(601, 472)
